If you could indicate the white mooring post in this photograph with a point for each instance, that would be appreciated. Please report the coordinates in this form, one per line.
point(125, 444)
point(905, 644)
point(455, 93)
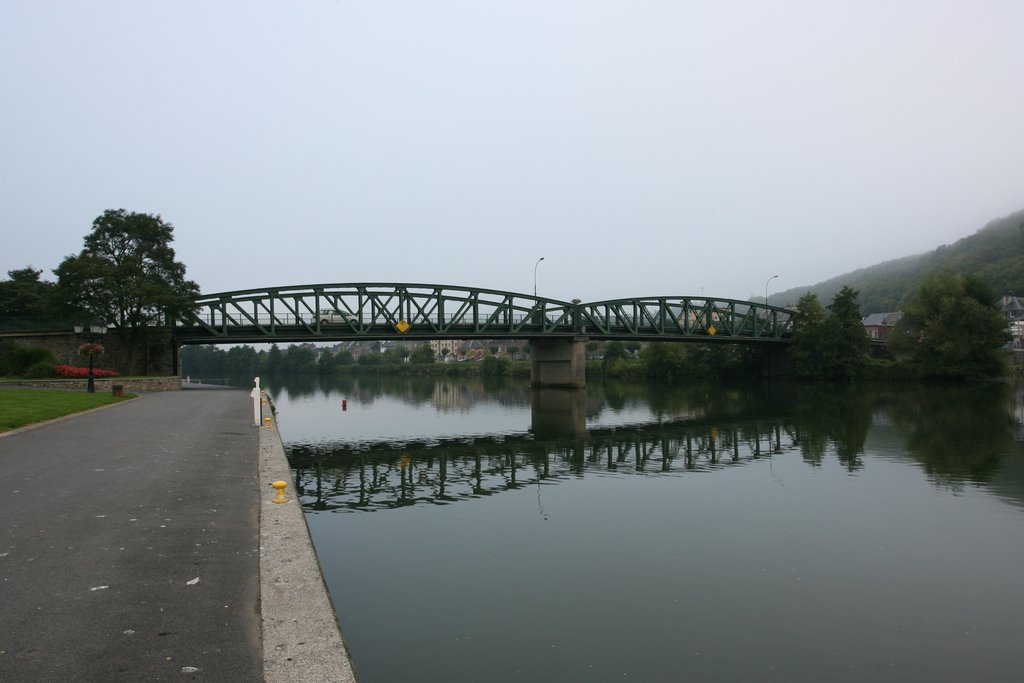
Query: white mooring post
point(255, 393)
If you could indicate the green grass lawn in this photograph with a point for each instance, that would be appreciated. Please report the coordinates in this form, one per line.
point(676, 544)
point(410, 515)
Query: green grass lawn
point(20, 407)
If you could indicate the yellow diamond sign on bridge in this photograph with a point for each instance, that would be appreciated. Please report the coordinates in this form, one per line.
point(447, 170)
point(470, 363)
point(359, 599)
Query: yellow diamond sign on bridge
point(402, 326)
point(712, 330)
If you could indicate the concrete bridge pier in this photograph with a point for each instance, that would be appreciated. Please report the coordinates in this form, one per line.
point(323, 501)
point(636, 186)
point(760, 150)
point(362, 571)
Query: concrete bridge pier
point(558, 362)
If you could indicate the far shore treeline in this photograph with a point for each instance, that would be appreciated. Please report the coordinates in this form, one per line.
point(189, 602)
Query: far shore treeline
point(952, 327)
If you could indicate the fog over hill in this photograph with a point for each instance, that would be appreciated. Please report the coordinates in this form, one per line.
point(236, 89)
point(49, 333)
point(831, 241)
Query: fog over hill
point(995, 253)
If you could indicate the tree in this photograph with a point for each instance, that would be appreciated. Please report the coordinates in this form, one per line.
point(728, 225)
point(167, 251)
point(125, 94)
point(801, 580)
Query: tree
point(275, 360)
point(832, 346)
point(368, 358)
point(394, 355)
point(126, 275)
point(663, 359)
point(614, 350)
point(721, 360)
point(493, 366)
point(325, 363)
point(422, 354)
point(808, 338)
point(953, 329)
point(25, 295)
point(240, 360)
point(299, 360)
point(202, 361)
point(845, 340)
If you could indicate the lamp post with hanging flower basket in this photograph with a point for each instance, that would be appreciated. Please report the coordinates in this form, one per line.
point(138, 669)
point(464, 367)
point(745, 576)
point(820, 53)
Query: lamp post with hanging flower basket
point(90, 345)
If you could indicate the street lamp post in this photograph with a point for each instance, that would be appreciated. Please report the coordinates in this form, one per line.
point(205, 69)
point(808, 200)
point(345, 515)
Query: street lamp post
point(766, 289)
point(91, 337)
point(535, 275)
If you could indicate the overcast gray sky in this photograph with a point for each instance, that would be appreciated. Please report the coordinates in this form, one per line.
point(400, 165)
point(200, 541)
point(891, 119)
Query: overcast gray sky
point(640, 147)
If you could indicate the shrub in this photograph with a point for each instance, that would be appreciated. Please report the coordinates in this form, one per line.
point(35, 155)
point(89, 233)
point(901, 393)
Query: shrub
point(24, 357)
point(41, 370)
point(496, 367)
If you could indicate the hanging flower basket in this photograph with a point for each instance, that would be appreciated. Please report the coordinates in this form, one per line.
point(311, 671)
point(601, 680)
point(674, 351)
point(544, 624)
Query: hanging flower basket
point(90, 349)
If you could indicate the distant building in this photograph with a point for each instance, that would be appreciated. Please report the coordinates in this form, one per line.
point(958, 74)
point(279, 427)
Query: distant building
point(1013, 307)
point(881, 325)
point(1013, 310)
point(445, 349)
point(472, 349)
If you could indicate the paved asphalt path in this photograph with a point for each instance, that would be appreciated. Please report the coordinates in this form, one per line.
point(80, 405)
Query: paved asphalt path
point(129, 543)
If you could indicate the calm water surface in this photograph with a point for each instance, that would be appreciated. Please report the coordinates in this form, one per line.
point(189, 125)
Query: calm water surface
point(493, 533)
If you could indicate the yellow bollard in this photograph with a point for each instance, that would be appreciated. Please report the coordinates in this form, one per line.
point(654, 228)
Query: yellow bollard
point(266, 421)
point(280, 486)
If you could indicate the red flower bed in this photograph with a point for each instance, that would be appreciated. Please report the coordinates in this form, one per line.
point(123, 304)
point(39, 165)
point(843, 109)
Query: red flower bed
point(82, 373)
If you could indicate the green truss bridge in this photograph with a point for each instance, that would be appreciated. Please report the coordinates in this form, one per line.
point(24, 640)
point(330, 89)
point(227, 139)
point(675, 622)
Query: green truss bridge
point(556, 329)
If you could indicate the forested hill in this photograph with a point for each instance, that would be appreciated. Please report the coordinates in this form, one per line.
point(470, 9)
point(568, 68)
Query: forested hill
point(995, 253)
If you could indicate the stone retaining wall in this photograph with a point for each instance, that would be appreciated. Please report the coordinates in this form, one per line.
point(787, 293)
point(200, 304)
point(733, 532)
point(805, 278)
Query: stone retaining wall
point(106, 384)
point(153, 355)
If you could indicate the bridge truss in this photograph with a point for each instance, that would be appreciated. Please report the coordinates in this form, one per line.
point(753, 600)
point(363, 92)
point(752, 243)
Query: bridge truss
point(333, 312)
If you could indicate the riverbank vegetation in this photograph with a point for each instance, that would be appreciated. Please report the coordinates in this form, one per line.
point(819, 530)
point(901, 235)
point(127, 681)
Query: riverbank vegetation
point(952, 329)
point(305, 359)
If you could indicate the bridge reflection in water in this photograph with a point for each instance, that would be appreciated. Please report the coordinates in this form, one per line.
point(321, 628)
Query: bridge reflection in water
point(366, 477)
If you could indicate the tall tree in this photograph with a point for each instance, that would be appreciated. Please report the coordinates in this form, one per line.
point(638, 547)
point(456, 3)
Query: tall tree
point(953, 328)
point(126, 275)
point(845, 338)
point(275, 360)
point(240, 360)
point(325, 362)
point(832, 346)
point(809, 358)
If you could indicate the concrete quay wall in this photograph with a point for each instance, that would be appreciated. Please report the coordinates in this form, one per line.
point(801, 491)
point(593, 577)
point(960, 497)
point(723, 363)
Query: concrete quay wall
point(301, 637)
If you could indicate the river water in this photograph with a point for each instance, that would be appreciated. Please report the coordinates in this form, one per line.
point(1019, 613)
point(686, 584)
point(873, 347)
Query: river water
point(472, 532)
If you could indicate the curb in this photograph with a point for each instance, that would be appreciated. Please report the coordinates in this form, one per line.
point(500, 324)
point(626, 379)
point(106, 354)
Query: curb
point(301, 637)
